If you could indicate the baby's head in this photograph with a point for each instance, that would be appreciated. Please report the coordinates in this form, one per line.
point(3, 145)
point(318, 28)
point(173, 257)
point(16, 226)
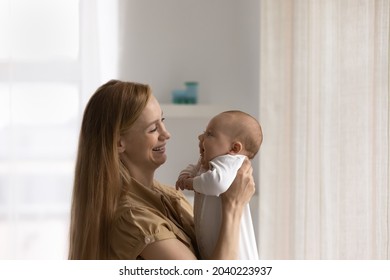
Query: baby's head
point(231, 132)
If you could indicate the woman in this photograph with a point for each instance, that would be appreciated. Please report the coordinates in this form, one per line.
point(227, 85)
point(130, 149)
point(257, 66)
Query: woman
point(118, 210)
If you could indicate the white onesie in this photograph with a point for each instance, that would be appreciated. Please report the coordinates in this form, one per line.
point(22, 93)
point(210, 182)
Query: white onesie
point(208, 185)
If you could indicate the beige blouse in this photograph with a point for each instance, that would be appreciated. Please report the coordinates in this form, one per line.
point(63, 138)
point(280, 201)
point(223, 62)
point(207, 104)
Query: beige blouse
point(146, 215)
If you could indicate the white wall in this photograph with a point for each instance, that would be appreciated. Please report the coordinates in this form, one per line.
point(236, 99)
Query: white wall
point(214, 42)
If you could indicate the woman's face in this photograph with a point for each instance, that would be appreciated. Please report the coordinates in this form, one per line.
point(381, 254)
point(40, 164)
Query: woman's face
point(143, 145)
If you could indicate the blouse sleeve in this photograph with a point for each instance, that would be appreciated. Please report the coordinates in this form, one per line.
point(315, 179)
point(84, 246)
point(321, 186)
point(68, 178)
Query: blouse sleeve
point(135, 229)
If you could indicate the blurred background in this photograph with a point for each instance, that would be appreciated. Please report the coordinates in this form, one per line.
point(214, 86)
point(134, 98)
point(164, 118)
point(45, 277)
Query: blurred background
point(53, 56)
point(314, 72)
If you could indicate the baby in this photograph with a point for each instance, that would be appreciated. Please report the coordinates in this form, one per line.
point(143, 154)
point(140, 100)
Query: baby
point(230, 137)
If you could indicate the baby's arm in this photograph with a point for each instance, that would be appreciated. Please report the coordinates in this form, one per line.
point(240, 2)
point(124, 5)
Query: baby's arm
point(186, 177)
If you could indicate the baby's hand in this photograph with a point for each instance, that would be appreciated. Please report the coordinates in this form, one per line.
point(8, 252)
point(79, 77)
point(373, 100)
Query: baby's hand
point(180, 181)
point(184, 182)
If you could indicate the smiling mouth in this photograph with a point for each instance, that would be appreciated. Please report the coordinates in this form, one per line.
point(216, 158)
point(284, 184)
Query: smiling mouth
point(159, 149)
point(202, 158)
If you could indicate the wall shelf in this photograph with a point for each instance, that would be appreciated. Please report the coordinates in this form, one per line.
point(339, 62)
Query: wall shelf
point(191, 110)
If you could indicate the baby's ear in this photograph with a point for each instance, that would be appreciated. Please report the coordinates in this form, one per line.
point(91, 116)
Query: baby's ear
point(236, 147)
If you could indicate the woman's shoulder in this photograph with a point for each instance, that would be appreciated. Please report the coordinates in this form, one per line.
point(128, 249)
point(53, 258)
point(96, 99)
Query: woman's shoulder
point(143, 214)
point(147, 214)
point(142, 201)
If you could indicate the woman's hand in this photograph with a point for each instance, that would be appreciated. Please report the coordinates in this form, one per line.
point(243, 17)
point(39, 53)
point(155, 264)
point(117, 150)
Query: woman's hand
point(242, 188)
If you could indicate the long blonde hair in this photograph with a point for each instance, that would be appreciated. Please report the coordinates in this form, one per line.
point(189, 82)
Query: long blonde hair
point(99, 174)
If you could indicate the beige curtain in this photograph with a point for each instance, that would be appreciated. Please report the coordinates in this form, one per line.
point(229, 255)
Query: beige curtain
point(324, 107)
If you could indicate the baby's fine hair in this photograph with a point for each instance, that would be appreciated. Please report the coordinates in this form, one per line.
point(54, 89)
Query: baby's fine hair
point(248, 132)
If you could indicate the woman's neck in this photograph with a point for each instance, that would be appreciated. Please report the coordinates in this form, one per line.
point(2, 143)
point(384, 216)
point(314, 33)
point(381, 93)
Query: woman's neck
point(145, 178)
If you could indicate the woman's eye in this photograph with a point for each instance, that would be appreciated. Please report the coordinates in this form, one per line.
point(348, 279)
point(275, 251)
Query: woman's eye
point(157, 125)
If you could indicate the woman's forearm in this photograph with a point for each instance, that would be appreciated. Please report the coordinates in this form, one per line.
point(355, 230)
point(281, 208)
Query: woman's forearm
point(233, 202)
point(228, 241)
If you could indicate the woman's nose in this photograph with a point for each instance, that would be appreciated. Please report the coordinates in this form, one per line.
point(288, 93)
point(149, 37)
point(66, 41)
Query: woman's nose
point(165, 133)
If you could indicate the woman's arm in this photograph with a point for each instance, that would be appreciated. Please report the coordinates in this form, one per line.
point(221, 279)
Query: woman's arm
point(220, 176)
point(168, 249)
point(233, 202)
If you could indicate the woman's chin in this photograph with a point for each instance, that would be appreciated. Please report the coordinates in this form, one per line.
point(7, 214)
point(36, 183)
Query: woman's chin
point(160, 160)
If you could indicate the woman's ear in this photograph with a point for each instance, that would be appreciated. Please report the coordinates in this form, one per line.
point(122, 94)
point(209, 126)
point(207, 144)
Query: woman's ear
point(121, 145)
point(236, 147)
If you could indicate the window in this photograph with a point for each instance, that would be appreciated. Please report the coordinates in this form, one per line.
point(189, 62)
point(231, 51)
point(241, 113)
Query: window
point(40, 105)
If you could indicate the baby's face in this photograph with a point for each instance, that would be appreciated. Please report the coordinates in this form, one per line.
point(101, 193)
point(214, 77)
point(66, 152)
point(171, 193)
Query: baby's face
point(216, 140)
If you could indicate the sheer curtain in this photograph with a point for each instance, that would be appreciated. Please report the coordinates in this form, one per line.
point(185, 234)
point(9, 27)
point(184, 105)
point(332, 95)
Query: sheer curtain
point(324, 107)
point(53, 55)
